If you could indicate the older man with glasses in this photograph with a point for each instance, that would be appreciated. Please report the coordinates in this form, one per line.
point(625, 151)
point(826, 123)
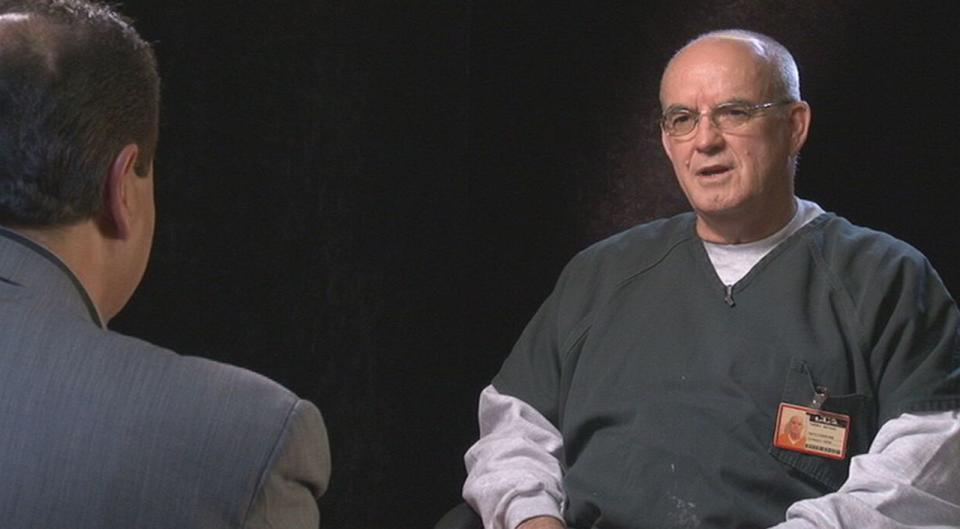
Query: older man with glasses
point(648, 390)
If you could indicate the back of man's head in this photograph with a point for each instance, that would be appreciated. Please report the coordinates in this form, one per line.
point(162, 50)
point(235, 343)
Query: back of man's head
point(77, 84)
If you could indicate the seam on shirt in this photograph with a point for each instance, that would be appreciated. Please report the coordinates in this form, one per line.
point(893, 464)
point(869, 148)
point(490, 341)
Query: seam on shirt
point(271, 459)
point(585, 323)
point(848, 304)
point(577, 335)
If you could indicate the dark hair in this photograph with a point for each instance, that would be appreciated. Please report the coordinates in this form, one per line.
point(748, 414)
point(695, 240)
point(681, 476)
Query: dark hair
point(77, 84)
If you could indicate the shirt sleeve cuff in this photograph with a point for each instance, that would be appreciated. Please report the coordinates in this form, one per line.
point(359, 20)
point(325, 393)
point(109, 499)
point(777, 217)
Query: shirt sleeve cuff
point(525, 507)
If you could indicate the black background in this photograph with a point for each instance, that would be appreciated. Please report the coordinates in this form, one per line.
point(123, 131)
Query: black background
point(367, 200)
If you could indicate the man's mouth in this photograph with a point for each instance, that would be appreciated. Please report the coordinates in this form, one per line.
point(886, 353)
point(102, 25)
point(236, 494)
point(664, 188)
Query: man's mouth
point(712, 170)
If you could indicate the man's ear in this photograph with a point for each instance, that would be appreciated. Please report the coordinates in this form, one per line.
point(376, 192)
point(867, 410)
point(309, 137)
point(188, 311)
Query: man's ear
point(117, 218)
point(664, 139)
point(799, 126)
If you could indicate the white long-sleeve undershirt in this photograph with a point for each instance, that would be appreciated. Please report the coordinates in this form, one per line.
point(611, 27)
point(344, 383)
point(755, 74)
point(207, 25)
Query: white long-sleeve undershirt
point(910, 478)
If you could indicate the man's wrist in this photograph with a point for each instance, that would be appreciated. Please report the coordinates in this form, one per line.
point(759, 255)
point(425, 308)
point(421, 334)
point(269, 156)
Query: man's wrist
point(542, 522)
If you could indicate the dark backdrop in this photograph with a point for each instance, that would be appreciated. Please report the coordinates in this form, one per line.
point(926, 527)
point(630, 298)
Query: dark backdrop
point(367, 200)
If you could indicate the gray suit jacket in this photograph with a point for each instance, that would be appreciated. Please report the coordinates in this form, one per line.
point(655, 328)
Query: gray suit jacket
point(101, 430)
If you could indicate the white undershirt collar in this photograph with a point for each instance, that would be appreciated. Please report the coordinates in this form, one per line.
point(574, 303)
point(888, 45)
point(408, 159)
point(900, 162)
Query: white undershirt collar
point(733, 261)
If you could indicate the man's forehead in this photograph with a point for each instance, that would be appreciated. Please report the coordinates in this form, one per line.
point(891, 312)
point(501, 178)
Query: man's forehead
point(720, 46)
point(721, 67)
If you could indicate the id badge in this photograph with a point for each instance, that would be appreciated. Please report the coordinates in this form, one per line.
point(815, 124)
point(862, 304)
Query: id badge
point(812, 431)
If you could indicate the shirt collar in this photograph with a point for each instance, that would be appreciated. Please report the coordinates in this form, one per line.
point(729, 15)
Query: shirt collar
point(27, 263)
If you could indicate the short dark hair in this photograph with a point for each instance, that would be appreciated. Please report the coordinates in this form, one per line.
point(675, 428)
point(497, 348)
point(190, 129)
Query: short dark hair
point(77, 84)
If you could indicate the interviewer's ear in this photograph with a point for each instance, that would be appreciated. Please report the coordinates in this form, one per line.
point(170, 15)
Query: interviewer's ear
point(119, 203)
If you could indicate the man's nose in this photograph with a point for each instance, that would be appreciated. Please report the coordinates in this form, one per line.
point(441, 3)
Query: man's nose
point(707, 136)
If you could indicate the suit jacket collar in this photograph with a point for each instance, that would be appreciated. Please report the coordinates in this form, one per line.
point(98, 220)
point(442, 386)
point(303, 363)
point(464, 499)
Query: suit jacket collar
point(26, 263)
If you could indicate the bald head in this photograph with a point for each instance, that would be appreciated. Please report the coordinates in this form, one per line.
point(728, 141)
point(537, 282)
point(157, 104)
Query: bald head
point(773, 64)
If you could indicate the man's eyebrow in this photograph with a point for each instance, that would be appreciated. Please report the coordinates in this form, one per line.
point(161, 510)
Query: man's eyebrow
point(736, 101)
point(674, 108)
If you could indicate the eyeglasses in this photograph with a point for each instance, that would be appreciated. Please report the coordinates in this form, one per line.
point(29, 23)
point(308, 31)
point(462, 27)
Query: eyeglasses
point(725, 116)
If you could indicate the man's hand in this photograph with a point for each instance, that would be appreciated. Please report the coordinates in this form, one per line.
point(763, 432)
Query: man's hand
point(542, 522)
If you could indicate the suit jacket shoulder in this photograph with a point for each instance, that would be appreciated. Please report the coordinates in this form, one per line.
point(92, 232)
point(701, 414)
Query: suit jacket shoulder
point(98, 429)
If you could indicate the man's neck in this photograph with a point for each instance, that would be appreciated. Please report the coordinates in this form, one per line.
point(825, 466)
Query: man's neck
point(746, 226)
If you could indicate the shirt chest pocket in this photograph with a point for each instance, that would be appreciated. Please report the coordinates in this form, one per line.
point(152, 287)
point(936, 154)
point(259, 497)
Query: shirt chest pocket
point(802, 388)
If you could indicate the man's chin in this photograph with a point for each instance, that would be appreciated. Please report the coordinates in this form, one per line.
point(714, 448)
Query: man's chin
point(719, 206)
